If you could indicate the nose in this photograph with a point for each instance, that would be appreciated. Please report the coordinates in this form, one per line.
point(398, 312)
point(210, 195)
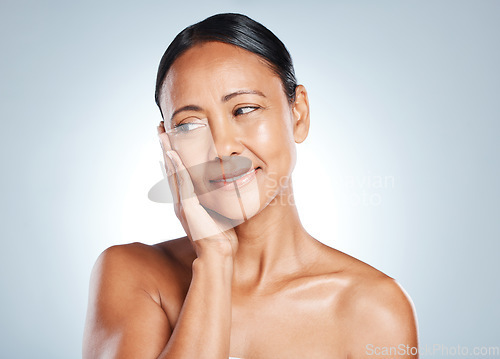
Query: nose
point(226, 138)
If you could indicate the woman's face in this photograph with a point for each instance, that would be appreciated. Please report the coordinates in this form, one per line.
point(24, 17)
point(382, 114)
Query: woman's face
point(231, 117)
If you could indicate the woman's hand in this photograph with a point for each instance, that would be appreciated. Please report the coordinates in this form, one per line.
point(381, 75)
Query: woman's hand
point(207, 230)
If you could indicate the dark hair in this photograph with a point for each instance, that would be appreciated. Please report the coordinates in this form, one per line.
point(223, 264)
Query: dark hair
point(233, 29)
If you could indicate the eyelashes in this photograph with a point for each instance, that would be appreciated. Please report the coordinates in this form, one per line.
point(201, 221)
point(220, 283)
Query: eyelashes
point(240, 111)
point(245, 110)
point(188, 126)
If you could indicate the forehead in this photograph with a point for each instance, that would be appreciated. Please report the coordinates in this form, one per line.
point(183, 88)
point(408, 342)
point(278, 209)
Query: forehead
point(214, 69)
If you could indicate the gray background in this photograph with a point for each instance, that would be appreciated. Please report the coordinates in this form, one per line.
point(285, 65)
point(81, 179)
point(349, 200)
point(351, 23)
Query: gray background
point(400, 169)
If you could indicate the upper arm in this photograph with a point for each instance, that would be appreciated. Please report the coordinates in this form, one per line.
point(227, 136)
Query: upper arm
point(123, 318)
point(384, 323)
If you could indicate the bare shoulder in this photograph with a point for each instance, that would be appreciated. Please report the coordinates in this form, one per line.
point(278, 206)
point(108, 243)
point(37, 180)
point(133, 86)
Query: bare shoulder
point(145, 262)
point(129, 263)
point(377, 311)
point(130, 287)
point(130, 256)
point(162, 270)
point(381, 302)
point(366, 285)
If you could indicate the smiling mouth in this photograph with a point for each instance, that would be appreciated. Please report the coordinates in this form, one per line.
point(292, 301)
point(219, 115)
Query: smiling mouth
point(232, 179)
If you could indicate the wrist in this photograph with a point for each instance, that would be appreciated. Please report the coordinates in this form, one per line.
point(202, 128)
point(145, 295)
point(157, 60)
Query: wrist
point(218, 249)
point(213, 264)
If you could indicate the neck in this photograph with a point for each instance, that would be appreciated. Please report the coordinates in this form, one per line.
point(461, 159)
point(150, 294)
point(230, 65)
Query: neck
point(271, 244)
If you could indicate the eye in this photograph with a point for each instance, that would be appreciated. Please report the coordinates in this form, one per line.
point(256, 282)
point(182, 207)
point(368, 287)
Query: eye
point(245, 109)
point(187, 127)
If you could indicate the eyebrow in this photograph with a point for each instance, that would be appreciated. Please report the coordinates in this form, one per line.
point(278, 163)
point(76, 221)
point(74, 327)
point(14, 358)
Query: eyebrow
point(227, 97)
point(185, 108)
point(224, 98)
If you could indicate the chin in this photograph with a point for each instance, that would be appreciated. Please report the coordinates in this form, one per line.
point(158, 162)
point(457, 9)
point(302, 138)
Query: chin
point(231, 206)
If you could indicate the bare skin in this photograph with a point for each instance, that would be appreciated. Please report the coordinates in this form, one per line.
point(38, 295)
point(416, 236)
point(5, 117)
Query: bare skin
point(264, 289)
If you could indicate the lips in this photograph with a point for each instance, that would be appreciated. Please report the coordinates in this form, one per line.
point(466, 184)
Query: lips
point(237, 170)
point(233, 176)
point(236, 183)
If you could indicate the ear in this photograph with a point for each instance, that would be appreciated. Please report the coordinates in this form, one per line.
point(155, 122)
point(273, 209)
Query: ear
point(300, 112)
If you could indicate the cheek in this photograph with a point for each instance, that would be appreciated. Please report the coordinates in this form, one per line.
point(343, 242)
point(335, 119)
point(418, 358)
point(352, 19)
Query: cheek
point(275, 145)
point(195, 155)
point(194, 151)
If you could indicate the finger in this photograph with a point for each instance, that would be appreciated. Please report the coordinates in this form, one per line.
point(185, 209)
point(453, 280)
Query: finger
point(196, 224)
point(171, 177)
point(164, 140)
point(161, 127)
point(169, 166)
point(184, 182)
point(200, 224)
point(196, 221)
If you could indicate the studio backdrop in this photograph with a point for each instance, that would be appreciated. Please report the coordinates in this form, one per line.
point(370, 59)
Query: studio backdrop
point(400, 168)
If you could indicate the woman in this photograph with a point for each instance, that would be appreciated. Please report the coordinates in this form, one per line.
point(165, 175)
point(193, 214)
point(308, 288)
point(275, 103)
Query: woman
point(247, 281)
